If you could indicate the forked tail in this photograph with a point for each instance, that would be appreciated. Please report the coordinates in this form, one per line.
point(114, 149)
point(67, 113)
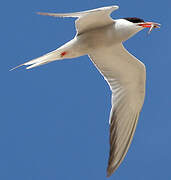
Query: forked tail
point(52, 56)
point(69, 50)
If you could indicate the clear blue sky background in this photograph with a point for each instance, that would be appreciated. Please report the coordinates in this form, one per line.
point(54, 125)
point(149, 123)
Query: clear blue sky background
point(54, 118)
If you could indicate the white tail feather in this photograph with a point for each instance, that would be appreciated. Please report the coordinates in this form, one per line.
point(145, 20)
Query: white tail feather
point(66, 51)
point(37, 64)
point(54, 55)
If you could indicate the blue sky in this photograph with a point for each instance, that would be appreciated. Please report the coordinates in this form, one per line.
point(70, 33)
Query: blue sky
point(54, 118)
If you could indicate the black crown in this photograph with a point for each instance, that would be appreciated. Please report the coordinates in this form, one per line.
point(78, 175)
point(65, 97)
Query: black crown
point(134, 19)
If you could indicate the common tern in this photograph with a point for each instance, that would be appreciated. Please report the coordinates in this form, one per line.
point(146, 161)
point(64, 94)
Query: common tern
point(101, 37)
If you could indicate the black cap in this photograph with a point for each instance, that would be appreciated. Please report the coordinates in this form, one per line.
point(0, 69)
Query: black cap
point(134, 19)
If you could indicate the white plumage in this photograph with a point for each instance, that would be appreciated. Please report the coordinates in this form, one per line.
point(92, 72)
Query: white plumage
point(101, 37)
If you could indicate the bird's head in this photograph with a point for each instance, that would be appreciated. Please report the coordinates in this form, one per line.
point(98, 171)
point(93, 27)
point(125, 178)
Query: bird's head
point(128, 27)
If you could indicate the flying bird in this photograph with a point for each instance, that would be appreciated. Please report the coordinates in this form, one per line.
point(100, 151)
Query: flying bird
point(101, 38)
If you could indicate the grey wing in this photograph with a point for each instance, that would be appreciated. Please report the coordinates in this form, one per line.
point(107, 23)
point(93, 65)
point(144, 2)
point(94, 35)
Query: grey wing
point(90, 19)
point(126, 76)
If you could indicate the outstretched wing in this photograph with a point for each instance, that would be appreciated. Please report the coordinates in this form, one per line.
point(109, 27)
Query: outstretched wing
point(90, 19)
point(126, 76)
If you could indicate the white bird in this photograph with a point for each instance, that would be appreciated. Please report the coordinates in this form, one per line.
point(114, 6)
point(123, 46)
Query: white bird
point(101, 37)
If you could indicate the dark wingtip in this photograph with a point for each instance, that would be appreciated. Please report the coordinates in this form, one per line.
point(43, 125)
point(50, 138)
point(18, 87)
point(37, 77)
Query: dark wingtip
point(109, 172)
point(108, 175)
point(41, 13)
point(44, 14)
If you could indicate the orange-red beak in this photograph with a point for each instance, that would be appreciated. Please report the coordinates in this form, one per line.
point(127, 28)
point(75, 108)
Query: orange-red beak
point(150, 25)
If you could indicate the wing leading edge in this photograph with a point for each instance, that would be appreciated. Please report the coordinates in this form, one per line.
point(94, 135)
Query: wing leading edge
point(90, 19)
